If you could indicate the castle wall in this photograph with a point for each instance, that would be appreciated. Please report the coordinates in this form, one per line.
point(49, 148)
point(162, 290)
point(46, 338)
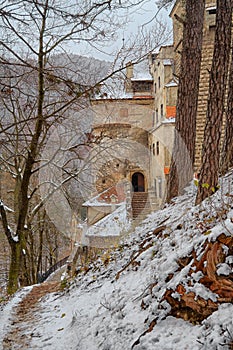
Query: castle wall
point(123, 126)
point(162, 133)
point(161, 142)
point(135, 111)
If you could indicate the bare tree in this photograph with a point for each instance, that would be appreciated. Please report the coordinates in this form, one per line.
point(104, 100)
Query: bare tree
point(185, 128)
point(164, 3)
point(210, 165)
point(41, 86)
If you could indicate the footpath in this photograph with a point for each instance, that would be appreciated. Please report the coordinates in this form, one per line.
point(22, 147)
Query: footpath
point(23, 326)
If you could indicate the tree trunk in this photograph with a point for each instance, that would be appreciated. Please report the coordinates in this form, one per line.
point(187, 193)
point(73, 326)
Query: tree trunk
point(208, 179)
point(15, 245)
point(227, 152)
point(15, 266)
point(33, 275)
point(39, 261)
point(183, 154)
point(18, 266)
point(41, 221)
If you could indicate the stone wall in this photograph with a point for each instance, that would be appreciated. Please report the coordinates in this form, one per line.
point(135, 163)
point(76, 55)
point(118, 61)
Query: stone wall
point(207, 54)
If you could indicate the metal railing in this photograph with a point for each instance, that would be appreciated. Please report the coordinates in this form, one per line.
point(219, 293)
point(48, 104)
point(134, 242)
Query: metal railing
point(42, 277)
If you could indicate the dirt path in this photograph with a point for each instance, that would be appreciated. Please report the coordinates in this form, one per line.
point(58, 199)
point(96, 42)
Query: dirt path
point(23, 326)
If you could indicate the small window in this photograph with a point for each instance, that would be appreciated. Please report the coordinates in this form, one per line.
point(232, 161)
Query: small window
point(153, 149)
point(155, 88)
point(161, 109)
point(124, 112)
point(157, 116)
point(159, 82)
point(157, 148)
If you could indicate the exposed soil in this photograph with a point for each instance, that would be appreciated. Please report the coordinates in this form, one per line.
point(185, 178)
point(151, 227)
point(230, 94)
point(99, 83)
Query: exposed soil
point(19, 336)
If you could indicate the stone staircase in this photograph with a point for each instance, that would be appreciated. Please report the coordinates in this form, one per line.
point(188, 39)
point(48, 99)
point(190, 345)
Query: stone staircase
point(140, 205)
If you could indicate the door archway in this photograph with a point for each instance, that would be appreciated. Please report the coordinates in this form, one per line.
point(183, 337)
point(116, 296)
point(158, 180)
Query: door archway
point(138, 182)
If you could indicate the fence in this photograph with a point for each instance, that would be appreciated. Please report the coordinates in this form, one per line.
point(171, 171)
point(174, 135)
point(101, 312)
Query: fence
point(42, 277)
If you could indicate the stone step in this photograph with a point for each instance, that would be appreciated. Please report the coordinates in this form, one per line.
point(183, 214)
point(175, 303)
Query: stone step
point(140, 204)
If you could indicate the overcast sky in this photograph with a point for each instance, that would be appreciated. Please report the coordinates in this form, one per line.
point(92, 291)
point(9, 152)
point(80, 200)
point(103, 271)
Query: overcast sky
point(142, 15)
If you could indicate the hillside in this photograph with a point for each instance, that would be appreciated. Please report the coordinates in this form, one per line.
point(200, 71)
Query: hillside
point(168, 286)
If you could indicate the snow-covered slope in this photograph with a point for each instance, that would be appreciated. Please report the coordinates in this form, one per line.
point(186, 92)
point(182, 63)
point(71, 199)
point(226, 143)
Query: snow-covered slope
point(119, 304)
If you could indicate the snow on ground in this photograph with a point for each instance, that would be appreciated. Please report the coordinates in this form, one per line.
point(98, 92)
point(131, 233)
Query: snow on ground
point(110, 310)
point(111, 225)
point(7, 311)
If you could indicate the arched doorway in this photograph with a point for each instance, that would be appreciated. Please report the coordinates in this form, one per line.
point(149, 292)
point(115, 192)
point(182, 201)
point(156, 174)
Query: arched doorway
point(138, 182)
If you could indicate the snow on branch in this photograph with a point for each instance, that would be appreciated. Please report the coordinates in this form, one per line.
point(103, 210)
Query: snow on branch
point(6, 208)
point(11, 236)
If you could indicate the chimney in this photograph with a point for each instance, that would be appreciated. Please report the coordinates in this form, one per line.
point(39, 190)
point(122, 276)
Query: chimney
point(129, 70)
point(129, 76)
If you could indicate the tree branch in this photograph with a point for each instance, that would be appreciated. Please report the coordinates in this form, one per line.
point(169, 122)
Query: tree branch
point(5, 223)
